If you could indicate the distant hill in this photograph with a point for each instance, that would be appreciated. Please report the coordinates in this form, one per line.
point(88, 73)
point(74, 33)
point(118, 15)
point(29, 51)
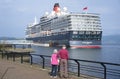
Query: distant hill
point(111, 39)
point(9, 38)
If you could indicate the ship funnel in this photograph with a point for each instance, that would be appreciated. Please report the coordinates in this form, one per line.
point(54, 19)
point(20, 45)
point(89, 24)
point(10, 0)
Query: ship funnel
point(56, 8)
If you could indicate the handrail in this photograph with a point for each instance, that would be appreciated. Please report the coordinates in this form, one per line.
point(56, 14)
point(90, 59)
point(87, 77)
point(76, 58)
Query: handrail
point(103, 64)
point(95, 61)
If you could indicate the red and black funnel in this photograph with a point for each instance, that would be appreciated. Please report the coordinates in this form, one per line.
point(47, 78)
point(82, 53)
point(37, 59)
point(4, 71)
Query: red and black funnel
point(56, 7)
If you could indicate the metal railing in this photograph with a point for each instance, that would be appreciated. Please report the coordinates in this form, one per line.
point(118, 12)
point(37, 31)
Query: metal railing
point(78, 64)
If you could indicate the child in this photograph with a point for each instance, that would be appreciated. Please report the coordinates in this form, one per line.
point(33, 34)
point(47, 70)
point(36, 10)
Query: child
point(54, 63)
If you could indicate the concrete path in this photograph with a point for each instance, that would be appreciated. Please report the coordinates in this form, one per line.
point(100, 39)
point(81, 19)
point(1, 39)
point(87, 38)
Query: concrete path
point(16, 70)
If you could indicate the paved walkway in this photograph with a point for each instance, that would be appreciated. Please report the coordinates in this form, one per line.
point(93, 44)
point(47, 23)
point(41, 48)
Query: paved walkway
point(16, 70)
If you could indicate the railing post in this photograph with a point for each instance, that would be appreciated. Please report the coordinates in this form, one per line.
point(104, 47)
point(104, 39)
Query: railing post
point(7, 55)
point(31, 59)
point(21, 58)
point(13, 56)
point(2, 54)
point(78, 67)
point(105, 77)
point(43, 61)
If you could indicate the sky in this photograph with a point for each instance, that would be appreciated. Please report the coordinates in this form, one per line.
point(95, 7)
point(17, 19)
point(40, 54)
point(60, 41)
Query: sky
point(15, 15)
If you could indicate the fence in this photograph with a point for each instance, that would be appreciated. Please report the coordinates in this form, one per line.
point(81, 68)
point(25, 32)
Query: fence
point(87, 67)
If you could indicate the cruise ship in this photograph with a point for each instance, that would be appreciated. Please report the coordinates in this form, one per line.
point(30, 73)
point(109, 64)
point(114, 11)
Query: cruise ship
point(61, 27)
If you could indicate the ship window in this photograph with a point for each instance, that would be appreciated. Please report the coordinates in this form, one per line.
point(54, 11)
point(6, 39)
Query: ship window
point(98, 32)
point(74, 36)
point(70, 28)
point(75, 32)
point(87, 32)
point(81, 32)
point(93, 32)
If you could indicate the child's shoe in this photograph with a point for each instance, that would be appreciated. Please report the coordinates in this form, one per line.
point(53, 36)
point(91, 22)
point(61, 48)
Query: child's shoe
point(55, 76)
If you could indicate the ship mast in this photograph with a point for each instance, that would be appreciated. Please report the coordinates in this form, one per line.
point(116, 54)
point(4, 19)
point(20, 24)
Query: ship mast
point(35, 20)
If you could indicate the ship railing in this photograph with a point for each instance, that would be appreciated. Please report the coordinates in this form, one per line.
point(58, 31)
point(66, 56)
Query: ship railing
point(79, 67)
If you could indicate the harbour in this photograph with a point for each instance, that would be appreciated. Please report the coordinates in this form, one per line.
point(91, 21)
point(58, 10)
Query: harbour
point(88, 30)
point(107, 53)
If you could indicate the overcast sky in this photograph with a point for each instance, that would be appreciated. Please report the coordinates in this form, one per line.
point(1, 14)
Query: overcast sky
point(16, 14)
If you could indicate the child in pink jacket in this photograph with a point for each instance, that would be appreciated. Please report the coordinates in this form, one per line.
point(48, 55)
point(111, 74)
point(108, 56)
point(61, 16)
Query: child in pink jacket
point(54, 63)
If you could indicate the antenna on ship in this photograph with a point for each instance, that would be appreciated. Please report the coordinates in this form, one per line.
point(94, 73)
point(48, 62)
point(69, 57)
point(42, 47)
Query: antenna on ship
point(65, 9)
point(35, 20)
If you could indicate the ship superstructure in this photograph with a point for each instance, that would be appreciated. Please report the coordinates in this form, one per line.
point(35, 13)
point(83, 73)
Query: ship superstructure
point(62, 27)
